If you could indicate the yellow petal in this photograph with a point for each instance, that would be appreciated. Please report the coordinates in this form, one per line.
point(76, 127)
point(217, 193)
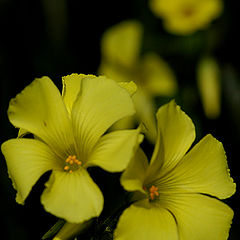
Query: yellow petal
point(139, 222)
point(203, 170)
point(131, 87)
point(114, 150)
point(208, 76)
point(71, 88)
point(199, 216)
point(160, 79)
point(72, 196)
point(145, 109)
point(22, 132)
point(176, 133)
point(121, 43)
point(101, 103)
point(125, 123)
point(39, 109)
point(27, 160)
point(185, 17)
point(133, 177)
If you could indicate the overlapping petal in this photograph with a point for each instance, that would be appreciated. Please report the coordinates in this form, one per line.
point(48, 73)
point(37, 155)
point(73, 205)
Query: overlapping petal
point(199, 216)
point(145, 113)
point(133, 177)
point(203, 170)
point(101, 103)
point(141, 221)
point(39, 109)
point(27, 160)
point(71, 88)
point(176, 133)
point(114, 150)
point(72, 196)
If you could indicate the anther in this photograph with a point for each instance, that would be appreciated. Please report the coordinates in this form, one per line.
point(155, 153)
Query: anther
point(152, 191)
point(71, 163)
point(66, 168)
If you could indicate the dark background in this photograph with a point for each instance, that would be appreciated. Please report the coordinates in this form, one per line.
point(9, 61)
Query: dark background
point(60, 37)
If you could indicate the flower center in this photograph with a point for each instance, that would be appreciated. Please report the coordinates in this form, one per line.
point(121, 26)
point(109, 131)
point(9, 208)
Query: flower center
point(188, 11)
point(152, 192)
point(71, 164)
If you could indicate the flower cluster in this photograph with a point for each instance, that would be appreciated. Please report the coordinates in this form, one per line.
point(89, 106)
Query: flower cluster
point(175, 195)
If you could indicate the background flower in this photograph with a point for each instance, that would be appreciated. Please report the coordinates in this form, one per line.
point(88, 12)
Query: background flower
point(122, 61)
point(186, 16)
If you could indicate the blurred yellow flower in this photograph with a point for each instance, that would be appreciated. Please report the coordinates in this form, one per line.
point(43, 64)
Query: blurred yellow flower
point(184, 17)
point(68, 138)
point(121, 61)
point(176, 194)
point(209, 85)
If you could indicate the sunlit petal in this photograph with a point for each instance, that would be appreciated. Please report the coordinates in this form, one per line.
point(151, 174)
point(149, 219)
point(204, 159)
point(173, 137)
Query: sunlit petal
point(101, 103)
point(204, 169)
point(71, 88)
point(176, 133)
point(39, 109)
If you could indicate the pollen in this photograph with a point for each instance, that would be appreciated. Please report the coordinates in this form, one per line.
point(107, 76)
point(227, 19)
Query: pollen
point(71, 164)
point(152, 192)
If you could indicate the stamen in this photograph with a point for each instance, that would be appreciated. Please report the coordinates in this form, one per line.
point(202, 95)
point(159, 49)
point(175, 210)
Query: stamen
point(152, 192)
point(71, 164)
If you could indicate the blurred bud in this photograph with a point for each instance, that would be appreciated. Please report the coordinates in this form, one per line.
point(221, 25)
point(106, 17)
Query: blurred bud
point(209, 84)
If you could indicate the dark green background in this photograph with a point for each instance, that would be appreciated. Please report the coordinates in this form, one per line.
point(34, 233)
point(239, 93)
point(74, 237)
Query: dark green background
point(58, 37)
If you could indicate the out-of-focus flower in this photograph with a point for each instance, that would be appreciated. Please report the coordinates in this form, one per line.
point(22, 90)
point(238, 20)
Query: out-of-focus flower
point(176, 194)
point(68, 138)
point(121, 61)
point(209, 85)
point(184, 17)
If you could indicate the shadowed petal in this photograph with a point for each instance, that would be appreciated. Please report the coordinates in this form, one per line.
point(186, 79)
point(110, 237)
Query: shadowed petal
point(27, 160)
point(145, 113)
point(114, 150)
point(141, 222)
point(133, 177)
point(199, 216)
point(72, 196)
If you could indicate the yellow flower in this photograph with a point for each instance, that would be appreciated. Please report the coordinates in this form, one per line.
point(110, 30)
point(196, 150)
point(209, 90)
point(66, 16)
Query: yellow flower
point(209, 85)
point(68, 138)
point(186, 16)
point(176, 194)
point(121, 61)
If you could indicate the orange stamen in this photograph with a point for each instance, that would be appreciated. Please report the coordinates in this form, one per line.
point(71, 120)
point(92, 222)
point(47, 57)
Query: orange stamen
point(153, 192)
point(72, 163)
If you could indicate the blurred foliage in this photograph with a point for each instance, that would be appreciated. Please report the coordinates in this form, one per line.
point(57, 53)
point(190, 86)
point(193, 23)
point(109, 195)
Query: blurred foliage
point(57, 38)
